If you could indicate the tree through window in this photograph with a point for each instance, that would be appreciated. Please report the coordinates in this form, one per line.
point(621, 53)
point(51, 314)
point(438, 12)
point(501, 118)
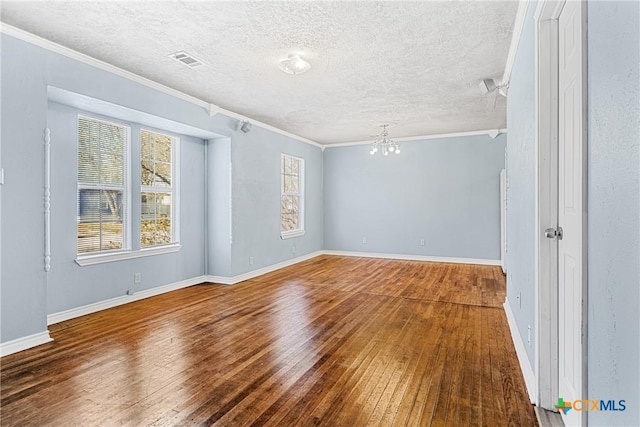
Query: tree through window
point(157, 188)
point(291, 195)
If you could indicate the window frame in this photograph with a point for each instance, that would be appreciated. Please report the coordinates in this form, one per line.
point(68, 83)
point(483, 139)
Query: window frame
point(133, 251)
point(125, 188)
point(300, 231)
point(174, 189)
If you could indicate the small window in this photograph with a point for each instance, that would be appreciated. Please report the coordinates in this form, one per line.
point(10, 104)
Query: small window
point(103, 191)
point(291, 196)
point(158, 189)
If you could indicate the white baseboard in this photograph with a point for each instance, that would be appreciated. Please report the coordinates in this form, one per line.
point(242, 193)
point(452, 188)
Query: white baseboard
point(478, 261)
point(268, 269)
point(24, 343)
point(113, 302)
point(523, 358)
point(259, 272)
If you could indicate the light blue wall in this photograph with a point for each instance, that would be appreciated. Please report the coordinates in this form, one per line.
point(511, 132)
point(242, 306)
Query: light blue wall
point(219, 215)
point(519, 256)
point(24, 117)
point(445, 191)
point(256, 200)
point(28, 294)
point(614, 208)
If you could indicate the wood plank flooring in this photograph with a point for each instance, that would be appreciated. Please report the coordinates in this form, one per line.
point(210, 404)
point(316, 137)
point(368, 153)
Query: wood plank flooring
point(333, 341)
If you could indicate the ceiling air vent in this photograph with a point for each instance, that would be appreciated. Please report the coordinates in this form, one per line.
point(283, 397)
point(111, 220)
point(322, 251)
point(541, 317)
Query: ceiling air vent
point(186, 58)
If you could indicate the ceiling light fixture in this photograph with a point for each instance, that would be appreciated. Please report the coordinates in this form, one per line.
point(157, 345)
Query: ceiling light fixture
point(386, 144)
point(294, 65)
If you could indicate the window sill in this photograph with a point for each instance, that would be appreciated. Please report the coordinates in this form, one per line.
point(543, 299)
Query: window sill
point(120, 256)
point(289, 234)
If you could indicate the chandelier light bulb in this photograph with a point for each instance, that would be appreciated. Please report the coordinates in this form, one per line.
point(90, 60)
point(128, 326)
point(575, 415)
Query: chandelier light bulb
point(387, 145)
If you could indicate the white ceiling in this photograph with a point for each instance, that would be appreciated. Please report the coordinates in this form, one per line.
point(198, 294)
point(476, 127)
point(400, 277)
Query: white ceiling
point(415, 63)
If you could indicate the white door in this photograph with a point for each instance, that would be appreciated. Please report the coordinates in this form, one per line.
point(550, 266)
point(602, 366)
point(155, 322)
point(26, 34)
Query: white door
point(571, 152)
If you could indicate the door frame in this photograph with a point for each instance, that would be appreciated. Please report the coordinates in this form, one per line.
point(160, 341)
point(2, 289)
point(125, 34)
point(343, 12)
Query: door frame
point(546, 181)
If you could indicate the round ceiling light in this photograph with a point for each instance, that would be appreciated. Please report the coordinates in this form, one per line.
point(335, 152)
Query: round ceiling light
point(294, 65)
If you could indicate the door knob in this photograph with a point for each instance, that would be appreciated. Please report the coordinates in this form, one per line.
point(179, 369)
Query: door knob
point(552, 233)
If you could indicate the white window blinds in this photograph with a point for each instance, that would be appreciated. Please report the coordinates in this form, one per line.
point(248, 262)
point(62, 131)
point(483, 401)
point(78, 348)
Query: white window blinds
point(102, 186)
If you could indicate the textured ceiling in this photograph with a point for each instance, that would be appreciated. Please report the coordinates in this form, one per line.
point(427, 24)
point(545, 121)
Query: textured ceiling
point(417, 64)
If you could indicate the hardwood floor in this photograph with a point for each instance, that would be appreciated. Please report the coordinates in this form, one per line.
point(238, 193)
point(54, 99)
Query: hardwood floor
point(333, 341)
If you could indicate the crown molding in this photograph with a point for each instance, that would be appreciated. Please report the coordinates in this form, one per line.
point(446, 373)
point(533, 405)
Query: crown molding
point(515, 39)
point(489, 132)
point(211, 109)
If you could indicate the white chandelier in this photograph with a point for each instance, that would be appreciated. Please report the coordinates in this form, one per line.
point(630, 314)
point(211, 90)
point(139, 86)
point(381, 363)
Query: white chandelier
point(386, 144)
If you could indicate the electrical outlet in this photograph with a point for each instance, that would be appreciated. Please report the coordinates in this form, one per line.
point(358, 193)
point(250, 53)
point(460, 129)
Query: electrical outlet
point(421, 242)
point(137, 278)
point(293, 249)
point(529, 334)
point(364, 240)
point(250, 260)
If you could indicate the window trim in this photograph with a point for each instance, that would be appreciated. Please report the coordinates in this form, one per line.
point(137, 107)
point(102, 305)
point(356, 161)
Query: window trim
point(126, 187)
point(102, 258)
point(174, 189)
point(300, 231)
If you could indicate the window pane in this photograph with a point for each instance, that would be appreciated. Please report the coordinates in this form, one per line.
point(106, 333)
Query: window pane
point(163, 148)
point(100, 220)
point(111, 138)
point(88, 134)
point(148, 219)
point(112, 235)
point(295, 204)
point(285, 204)
point(111, 205)
point(111, 169)
point(88, 162)
point(146, 172)
point(293, 185)
point(289, 222)
point(88, 220)
point(295, 166)
point(162, 176)
point(146, 146)
point(155, 224)
point(287, 165)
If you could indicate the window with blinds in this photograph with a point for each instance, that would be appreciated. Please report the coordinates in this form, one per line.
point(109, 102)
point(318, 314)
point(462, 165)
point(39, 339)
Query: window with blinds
point(103, 192)
point(291, 195)
point(158, 197)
